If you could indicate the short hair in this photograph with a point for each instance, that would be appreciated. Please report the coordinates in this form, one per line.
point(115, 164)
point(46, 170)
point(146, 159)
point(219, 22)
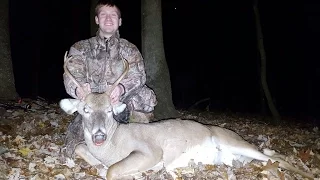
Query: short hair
point(109, 3)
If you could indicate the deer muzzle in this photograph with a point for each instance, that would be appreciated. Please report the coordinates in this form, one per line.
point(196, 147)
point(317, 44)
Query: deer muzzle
point(98, 138)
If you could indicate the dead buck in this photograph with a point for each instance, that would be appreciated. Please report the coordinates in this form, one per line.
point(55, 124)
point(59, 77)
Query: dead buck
point(126, 149)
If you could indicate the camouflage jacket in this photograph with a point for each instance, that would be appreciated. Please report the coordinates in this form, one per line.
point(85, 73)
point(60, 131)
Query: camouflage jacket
point(98, 61)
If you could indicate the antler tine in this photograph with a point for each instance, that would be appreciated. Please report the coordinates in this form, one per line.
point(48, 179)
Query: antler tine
point(126, 69)
point(66, 59)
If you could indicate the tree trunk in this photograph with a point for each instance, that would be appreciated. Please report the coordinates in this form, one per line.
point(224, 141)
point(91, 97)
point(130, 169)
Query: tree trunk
point(93, 25)
point(7, 86)
point(274, 111)
point(263, 105)
point(157, 71)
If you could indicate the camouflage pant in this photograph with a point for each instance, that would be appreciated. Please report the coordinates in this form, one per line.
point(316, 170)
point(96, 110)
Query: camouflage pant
point(74, 136)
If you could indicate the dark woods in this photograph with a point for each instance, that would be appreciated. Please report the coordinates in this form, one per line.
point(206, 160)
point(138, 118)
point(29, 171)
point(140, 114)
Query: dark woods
point(210, 49)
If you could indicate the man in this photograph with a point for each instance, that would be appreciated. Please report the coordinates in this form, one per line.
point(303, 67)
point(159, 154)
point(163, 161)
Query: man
point(97, 62)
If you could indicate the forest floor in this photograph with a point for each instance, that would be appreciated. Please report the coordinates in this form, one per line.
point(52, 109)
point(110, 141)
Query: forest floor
point(32, 134)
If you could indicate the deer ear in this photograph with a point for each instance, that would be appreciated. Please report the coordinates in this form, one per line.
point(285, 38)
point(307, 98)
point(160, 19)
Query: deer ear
point(69, 105)
point(119, 108)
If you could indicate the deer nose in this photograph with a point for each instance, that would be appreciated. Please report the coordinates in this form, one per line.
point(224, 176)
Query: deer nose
point(98, 138)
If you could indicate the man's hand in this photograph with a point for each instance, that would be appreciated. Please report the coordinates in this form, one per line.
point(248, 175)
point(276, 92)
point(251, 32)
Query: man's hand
point(82, 93)
point(116, 93)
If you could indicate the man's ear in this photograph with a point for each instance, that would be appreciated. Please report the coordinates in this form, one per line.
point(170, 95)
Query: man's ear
point(120, 21)
point(96, 19)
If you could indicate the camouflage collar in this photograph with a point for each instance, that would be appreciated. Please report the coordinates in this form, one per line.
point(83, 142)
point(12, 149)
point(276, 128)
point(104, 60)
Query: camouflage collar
point(102, 40)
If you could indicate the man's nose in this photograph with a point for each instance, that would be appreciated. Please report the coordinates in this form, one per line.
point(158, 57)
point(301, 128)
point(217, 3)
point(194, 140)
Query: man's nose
point(108, 16)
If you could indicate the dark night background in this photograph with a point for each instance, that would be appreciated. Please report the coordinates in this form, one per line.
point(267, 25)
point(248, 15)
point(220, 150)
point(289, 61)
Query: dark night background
point(210, 50)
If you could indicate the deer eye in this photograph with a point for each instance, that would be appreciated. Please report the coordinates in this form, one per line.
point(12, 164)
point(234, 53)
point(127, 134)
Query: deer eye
point(109, 111)
point(86, 110)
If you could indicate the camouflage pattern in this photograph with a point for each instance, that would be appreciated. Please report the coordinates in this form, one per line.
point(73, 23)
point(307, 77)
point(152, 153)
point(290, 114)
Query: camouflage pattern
point(74, 136)
point(98, 61)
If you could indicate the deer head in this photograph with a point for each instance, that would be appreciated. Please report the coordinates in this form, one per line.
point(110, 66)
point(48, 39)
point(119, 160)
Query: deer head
point(95, 108)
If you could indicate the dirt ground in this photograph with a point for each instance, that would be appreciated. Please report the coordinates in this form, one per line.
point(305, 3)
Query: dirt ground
point(32, 134)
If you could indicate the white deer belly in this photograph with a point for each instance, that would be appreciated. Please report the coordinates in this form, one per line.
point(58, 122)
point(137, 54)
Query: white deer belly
point(175, 156)
point(208, 152)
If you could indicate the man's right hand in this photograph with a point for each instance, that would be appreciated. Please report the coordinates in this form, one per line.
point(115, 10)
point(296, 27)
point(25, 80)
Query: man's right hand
point(116, 93)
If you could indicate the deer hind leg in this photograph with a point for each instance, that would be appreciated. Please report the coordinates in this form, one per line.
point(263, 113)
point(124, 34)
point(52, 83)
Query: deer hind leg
point(136, 162)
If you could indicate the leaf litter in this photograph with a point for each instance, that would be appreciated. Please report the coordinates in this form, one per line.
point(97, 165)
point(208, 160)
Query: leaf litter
point(32, 134)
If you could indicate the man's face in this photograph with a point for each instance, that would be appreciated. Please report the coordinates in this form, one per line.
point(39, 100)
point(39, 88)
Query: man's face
point(108, 20)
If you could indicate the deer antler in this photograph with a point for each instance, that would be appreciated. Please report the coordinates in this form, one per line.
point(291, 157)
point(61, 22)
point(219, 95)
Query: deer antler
point(126, 69)
point(78, 86)
point(66, 70)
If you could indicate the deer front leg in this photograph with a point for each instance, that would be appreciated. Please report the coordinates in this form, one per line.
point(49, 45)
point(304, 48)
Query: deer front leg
point(134, 163)
point(83, 151)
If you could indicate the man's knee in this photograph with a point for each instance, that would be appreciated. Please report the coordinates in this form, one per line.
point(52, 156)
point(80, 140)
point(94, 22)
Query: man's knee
point(140, 117)
point(123, 117)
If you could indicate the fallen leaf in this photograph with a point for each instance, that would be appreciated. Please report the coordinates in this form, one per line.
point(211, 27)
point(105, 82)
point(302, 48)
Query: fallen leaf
point(304, 155)
point(19, 140)
point(270, 165)
point(24, 151)
point(281, 175)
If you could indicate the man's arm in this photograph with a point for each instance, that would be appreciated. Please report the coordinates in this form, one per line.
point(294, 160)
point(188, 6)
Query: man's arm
point(136, 77)
point(77, 68)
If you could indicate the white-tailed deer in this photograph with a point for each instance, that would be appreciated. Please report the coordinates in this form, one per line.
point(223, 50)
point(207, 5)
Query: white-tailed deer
point(127, 149)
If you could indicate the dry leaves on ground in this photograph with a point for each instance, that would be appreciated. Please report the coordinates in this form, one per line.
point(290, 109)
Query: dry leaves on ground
point(32, 133)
